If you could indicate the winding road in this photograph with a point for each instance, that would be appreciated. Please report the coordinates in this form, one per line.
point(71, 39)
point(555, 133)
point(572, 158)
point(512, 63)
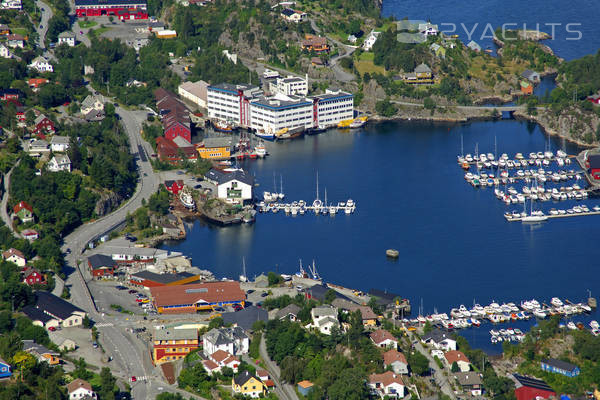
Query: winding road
point(4, 202)
point(42, 28)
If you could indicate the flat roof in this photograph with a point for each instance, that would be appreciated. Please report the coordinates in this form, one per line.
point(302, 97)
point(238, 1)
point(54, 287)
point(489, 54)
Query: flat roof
point(176, 334)
point(198, 293)
point(109, 2)
point(162, 278)
point(280, 104)
point(231, 88)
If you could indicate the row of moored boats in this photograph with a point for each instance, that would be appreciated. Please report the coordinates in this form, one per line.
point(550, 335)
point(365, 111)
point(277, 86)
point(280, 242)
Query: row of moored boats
point(301, 207)
point(535, 159)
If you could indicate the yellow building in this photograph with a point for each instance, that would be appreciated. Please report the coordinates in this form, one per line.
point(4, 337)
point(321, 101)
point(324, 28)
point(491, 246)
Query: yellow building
point(215, 148)
point(248, 385)
point(173, 344)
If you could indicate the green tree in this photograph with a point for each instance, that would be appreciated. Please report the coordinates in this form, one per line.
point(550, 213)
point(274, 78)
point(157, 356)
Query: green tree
point(107, 384)
point(455, 368)
point(428, 103)
point(330, 296)
point(385, 108)
point(274, 279)
point(419, 364)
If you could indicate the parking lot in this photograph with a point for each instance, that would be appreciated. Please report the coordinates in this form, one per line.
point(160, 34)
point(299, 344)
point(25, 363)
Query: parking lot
point(107, 294)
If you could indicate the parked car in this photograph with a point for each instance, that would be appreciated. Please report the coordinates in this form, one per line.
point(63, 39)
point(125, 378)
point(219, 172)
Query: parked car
point(119, 287)
point(264, 294)
point(133, 379)
point(95, 345)
point(132, 291)
point(52, 329)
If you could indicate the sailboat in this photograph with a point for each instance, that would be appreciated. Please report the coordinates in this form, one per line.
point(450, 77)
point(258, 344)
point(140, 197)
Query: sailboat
point(280, 194)
point(537, 216)
point(325, 207)
point(317, 204)
point(243, 277)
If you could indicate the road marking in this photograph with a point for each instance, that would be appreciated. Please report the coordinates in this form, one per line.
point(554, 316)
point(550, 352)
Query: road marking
point(104, 324)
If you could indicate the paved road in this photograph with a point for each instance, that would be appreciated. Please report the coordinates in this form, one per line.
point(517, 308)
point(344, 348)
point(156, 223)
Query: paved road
point(438, 374)
point(499, 108)
point(46, 15)
point(343, 52)
point(81, 34)
point(126, 354)
point(283, 390)
point(3, 203)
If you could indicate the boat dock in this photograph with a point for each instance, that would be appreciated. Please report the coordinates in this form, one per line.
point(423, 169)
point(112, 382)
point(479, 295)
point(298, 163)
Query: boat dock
point(512, 218)
point(300, 207)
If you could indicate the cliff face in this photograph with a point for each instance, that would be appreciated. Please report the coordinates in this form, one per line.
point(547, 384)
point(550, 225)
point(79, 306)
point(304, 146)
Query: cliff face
point(107, 203)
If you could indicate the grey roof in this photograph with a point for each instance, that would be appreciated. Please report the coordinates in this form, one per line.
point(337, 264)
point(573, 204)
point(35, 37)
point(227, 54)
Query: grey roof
point(470, 378)
point(326, 320)
point(100, 260)
point(36, 315)
point(246, 317)
point(94, 115)
point(318, 292)
point(39, 143)
point(531, 382)
point(56, 139)
point(560, 364)
point(162, 278)
point(436, 335)
point(288, 12)
point(176, 334)
point(39, 119)
point(67, 34)
point(422, 68)
point(277, 104)
point(292, 309)
point(62, 159)
point(243, 378)
point(224, 335)
point(217, 142)
point(232, 87)
point(324, 311)
point(89, 101)
point(55, 306)
point(223, 177)
point(31, 345)
point(473, 45)
point(529, 74)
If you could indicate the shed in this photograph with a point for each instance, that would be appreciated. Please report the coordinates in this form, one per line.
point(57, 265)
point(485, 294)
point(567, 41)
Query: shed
point(304, 387)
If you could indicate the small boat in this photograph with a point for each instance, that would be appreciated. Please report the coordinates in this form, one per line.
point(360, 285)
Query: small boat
point(556, 302)
point(265, 135)
point(358, 122)
point(571, 325)
point(223, 126)
point(185, 196)
point(392, 253)
point(260, 150)
point(316, 130)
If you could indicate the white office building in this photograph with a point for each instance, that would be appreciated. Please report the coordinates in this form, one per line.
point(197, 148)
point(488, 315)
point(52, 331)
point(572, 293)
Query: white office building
point(290, 86)
point(272, 114)
point(227, 102)
point(333, 107)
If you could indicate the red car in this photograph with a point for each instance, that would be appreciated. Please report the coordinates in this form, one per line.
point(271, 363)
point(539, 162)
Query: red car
point(133, 379)
point(52, 329)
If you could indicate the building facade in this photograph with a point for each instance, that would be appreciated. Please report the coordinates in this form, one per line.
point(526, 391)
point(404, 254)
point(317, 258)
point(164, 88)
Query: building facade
point(281, 112)
point(173, 344)
point(332, 107)
point(122, 9)
point(227, 102)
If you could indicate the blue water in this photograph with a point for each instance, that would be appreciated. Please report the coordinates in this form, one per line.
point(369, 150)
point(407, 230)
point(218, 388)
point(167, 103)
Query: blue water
point(498, 12)
point(455, 246)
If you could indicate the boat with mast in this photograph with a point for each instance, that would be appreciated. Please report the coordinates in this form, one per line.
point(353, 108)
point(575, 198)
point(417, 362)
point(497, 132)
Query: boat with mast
point(243, 277)
point(186, 198)
point(280, 194)
point(317, 203)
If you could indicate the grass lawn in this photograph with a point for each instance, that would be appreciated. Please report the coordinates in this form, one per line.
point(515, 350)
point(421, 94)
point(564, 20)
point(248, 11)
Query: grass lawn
point(509, 67)
point(364, 66)
point(87, 24)
point(367, 56)
point(20, 31)
point(100, 31)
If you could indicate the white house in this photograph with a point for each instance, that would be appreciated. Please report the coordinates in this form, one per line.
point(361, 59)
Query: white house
point(59, 143)
point(383, 338)
point(40, 64)
point(439, 340)
point(224, 359)
point(5, 52)
point(386, 384)
point(234, 188)
point(293, 15)
point(352, 38)
point(80, 389)
point(396, 360)
point(232, 340)
point(67, 37)
point(15, 40)
point(428, 29)
point(14, 256)
point(324, 318)
point(370, 40)
point(59, 163)
point(195, 92)
point(455, 356)
point(10, 5)
point(290, 86)
point(91, 103)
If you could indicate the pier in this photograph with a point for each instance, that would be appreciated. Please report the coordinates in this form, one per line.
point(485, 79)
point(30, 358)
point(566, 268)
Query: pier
point(511, 218)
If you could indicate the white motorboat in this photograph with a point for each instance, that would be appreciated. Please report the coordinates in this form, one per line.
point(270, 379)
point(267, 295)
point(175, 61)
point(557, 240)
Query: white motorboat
point(539, 313)
point(571, 325)
point(185, 196)
point(594, 324)
point(556, 302)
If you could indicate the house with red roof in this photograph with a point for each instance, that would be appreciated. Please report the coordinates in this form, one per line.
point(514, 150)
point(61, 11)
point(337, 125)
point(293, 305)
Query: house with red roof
point(43, 125)
point(386, 384)
point(32, 276)
point(30, 234)
point(174, 186)
point(225, 359)
point(170, 152)
point(396, 360)
point(458, 357)
point(24, 211)
point(383, 338)
point(265, 378)
point(35, 83)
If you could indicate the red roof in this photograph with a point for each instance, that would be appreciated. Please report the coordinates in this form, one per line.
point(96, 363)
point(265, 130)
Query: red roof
point(198, 293)
point(22, 205)
point(12, 252)
point(268, 383)
point(210, 365)
point(220, 356)
point(392, 356)
point(381, 335)
point(78, 383)
point(386, 379)
point(455, 356)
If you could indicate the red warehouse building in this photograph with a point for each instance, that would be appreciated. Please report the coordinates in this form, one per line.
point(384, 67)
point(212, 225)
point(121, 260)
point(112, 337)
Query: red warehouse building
point(592, 162)
point(123, 9)
point(530, 389)
point(101, 265)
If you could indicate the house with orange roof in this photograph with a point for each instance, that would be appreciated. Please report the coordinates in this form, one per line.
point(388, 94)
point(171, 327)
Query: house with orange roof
point(225, 359)
point(265, 378)
point(458, 357)
point(383, 338)
point(193, 297)
point(387, 384)
point(318, 44)
point(396, 360)
point(24, 211)
point(35, 83)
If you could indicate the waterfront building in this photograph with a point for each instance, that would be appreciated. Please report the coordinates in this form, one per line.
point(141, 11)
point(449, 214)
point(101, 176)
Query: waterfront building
point(175, 117)
point(526, 88)
point(195, 297)
point(231, 103)
point(531, 76)
point(235, 187)
point(196, 92)
point(273, 114)
point(215, 148)
point(122, 9)
point(173, 344)
point(101, 265)
point(332, 107)
point(428, 29)
point(560, 367)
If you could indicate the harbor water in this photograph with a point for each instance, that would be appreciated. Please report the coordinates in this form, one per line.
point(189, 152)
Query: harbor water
point(455, 245)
